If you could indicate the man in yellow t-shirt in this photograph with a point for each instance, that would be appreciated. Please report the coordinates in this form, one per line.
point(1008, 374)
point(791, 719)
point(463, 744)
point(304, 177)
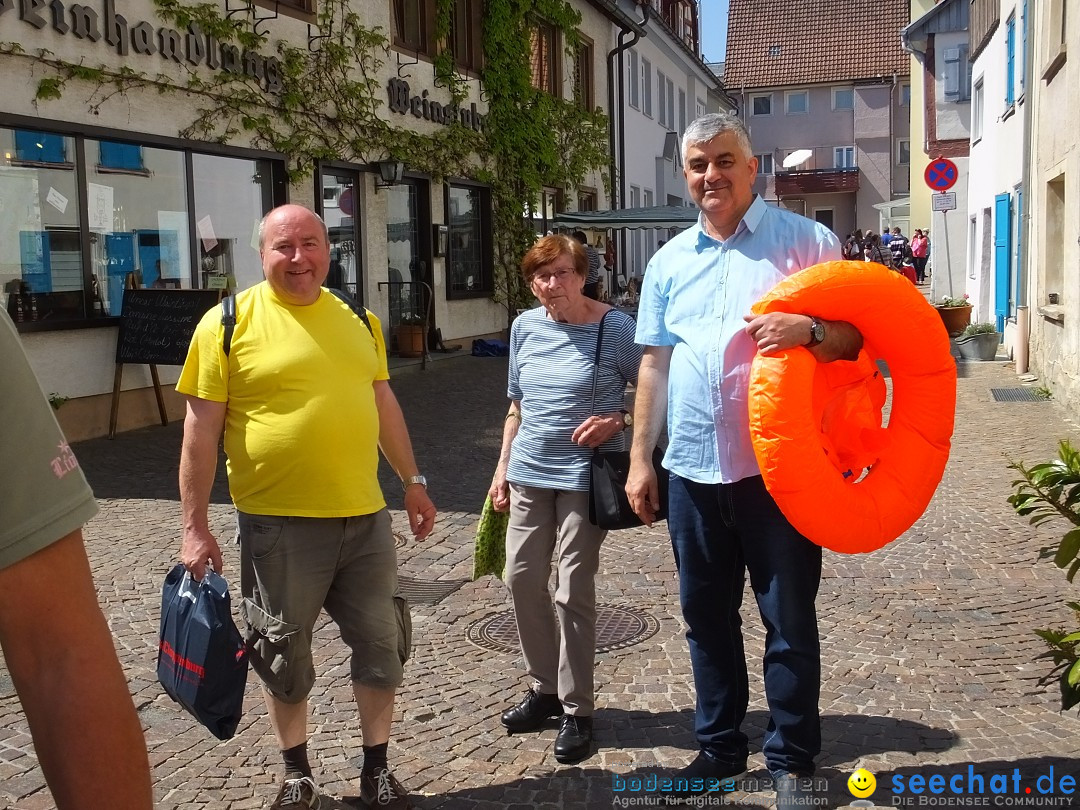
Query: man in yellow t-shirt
point(304, 400)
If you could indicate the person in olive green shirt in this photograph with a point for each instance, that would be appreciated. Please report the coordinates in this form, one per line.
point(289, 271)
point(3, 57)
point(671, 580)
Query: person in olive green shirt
point(54, 636)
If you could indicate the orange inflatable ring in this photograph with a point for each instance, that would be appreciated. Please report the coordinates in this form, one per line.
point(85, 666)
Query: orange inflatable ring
point(842, 479)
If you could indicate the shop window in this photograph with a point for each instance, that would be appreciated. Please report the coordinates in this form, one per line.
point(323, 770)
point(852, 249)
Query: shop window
point(469, 250)
point(542, 59)
point(583, 75)
point(140, 218)
point(231, 196)
point(41, 260)
point(60, 261)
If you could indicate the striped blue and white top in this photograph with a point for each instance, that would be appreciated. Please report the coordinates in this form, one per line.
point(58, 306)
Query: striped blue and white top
point(551, 373)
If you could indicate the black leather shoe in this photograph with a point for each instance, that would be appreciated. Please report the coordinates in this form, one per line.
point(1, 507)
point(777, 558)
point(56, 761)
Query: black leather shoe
point(532, 712)
point(575, 739)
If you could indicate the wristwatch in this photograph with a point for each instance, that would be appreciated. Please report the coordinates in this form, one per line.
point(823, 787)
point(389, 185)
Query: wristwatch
point(416, 479)
point(627, 418)
point(817, 332)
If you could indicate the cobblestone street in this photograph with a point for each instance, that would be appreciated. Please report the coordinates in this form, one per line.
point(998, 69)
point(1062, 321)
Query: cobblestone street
point(929, 654)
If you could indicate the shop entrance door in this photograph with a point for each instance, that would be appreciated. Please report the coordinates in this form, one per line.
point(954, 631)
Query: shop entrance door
point(339, 205)
point(408, 248)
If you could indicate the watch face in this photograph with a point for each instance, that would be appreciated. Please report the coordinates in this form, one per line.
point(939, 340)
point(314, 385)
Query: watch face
point(818, 331)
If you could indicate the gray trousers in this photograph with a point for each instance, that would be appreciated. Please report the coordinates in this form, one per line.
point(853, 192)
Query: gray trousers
point(559, 657)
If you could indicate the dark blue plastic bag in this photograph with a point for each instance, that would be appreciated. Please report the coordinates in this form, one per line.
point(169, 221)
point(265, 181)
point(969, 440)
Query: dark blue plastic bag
point(490, 348)
point(202, 660)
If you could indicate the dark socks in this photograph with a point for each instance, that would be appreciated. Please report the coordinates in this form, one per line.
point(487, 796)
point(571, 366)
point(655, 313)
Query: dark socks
point(374, 758)
point(296, 762)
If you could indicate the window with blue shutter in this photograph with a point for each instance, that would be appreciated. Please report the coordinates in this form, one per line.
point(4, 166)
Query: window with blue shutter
point(1010, 62)
point(39, 147)
point(121, 156)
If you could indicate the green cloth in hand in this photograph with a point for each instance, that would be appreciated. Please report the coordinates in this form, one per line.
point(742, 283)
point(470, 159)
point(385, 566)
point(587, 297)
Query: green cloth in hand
point(489, 553)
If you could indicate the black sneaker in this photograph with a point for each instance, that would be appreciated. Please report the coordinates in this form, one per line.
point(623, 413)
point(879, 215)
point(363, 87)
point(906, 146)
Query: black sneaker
point(532, 712)
point(794, 792)
point(575, 739)
point(299, 794)
point(381, 791)
point(705, 774)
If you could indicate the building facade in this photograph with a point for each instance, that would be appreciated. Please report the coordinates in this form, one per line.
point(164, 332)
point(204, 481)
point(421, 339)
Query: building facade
point(825, 92)
point(141, 149)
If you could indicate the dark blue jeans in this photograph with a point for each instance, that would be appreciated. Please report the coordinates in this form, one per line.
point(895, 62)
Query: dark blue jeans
point(719, 532)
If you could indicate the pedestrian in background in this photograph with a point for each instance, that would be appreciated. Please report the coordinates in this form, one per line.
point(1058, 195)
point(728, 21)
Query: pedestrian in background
point(592, 279)
point(304, 399)
point(700, 339)
point(56, 642)
point(542, 477)
point(920, 250)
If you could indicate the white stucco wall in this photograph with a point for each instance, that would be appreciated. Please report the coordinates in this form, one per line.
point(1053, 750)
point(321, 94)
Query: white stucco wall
point(1055, 213)
point(996, 167)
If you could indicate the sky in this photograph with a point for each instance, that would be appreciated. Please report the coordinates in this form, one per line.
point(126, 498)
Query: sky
point(714, 15)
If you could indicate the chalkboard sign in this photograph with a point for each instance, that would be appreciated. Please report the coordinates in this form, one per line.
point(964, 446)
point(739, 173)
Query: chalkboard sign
point(156, 325)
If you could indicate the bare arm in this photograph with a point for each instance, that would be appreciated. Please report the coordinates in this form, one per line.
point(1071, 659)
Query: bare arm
point(499, 489)
point(203, 425)
point(62, 660)
point(650, 410)
point(397, 448)
point(777, 331)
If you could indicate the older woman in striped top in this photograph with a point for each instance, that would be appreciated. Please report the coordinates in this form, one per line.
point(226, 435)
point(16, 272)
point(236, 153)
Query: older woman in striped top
point(543, 479)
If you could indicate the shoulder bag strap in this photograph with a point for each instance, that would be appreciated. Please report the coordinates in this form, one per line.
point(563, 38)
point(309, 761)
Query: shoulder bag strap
point(596, 360)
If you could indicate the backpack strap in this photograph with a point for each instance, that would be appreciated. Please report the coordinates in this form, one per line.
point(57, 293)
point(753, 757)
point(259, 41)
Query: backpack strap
point(355, 306)
point(228, 315)
point(228, 321)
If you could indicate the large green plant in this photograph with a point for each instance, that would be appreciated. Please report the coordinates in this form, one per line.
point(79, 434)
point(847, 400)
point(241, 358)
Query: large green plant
point(1045, 492)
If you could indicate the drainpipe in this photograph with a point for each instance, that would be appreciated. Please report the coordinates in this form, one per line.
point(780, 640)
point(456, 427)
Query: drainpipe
point(618, 141)
point(1021, 352)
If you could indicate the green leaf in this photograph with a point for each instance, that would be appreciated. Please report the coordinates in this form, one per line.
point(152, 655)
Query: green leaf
point(1068, 549)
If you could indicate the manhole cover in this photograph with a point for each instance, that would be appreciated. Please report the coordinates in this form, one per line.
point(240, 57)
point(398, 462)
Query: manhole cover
point(616, 627)
point(1014, 395)
point(427, 592)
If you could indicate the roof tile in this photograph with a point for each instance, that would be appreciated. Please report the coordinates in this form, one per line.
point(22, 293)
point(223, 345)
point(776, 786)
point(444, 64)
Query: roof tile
point(792, 42)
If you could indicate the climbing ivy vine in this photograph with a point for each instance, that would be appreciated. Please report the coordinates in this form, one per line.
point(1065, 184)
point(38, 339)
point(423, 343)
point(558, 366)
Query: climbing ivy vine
point(330, 98)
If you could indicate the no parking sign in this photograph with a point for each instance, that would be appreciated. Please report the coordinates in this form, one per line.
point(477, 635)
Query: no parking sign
point(941, 174)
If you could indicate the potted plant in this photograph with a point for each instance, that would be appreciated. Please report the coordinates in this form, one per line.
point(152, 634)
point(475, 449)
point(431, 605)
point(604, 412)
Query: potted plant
point(978, 341)
point(1050, 491)
point(955, 314)
point(410, 335)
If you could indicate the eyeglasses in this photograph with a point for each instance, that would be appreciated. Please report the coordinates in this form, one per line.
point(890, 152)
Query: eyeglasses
point(562, 276)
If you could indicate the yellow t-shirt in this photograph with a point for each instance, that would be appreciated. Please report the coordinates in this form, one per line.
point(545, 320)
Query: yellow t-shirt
point(301, 426)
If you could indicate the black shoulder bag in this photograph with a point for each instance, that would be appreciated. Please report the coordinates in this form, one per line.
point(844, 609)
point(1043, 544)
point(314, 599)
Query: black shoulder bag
point(609, 507)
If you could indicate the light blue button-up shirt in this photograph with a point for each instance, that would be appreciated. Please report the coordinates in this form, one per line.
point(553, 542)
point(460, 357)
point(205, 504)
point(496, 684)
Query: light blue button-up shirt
point(695, 293)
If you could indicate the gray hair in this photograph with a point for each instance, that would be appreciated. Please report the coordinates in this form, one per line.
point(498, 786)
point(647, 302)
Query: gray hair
point(704, 129)
point(262, 222)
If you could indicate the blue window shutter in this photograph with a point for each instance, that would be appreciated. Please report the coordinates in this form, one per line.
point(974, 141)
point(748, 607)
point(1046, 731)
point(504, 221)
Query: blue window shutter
point(1023, 43)
point(1002, 257)
point(952, 73)
point(121, 156)
point(1010, 61)
point(40, 147)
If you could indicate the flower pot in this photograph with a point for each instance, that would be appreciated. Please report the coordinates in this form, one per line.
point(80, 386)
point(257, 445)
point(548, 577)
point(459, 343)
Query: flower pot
point(410, 339)
point(955, 318)
point(979, 347)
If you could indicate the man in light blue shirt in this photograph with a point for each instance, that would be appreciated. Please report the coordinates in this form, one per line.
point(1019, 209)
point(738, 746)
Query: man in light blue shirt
point(700, 339)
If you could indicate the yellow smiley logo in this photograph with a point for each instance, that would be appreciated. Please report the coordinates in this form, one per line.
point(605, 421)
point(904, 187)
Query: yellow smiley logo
point(861, 783)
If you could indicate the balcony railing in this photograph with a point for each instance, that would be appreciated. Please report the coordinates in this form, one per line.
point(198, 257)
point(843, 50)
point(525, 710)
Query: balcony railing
point(792, 182)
